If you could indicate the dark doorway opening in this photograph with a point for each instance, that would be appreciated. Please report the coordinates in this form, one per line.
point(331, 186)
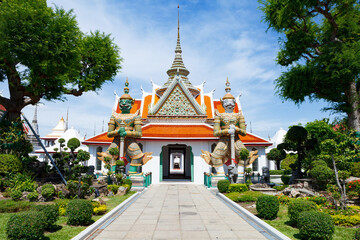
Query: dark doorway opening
point(176, 161)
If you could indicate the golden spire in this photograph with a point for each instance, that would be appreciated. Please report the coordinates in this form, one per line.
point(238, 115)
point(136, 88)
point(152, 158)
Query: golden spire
point(178, 21)
point(228, 90)
point(126, 91)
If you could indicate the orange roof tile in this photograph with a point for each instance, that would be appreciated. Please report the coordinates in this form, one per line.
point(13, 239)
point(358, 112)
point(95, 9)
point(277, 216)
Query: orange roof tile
point(166, 131)
point(147, 101)
point(209, 112)
point(198, 99)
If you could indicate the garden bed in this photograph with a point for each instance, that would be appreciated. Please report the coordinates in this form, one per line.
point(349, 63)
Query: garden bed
point(282, 222)
point(63, 231)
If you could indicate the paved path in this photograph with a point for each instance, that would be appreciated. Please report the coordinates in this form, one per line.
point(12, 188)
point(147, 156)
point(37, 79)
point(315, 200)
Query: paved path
point(179, 211)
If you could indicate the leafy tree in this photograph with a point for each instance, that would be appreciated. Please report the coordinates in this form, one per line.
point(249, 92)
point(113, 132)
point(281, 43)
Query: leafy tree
point(44, 55)
point(276, 155)
point(321, 50)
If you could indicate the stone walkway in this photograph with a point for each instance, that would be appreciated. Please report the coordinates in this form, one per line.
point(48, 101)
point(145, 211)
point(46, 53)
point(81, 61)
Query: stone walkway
point(179, 211)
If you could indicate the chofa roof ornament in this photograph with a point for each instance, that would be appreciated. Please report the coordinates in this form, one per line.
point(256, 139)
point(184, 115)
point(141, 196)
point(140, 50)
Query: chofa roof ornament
point(126, 94)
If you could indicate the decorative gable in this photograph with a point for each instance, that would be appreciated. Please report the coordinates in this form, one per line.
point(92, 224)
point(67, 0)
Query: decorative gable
point(177, 101)
point(177, 104)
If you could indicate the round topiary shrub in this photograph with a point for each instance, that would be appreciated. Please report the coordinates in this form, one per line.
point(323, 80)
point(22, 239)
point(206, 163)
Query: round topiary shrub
point(48, 191)
point(51, 212)
point(9, 164)
point(79, 212)
point(267, 207)
point(285, 179)
point(223, 185)
point(315, 225)
point(322, 175)
point(357, 234)
point(33, 196)
point(238, 187)
point(26, 225)
point(127, 181)
point(16, 195)
point(298, 206)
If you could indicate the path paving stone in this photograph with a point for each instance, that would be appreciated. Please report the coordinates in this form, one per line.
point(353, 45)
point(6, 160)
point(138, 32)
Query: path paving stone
point(179, 211)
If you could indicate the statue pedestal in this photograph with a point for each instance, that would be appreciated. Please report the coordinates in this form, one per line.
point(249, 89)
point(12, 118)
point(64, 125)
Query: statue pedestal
point(143, 180)
point(211, 181)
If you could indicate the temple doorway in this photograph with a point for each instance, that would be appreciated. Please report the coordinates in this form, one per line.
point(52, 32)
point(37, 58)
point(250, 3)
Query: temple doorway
point(176, 162)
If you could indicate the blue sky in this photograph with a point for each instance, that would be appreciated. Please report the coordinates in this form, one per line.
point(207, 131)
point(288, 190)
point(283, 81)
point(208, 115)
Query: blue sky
point(219, 39)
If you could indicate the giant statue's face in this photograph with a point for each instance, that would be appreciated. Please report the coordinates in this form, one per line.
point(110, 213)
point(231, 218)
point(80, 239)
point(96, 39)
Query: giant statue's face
point(125, 105)
point(228, 105)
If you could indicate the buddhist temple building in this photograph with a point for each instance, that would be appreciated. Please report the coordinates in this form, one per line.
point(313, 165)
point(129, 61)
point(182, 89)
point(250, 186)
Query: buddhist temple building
point(178, 120)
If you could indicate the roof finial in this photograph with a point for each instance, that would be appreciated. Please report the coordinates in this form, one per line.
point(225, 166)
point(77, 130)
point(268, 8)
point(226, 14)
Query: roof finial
point(126, 91)
point(228, 90)
point(178, 21)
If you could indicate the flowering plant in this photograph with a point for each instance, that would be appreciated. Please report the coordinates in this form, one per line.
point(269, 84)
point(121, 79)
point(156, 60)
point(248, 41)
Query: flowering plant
point(354, 186)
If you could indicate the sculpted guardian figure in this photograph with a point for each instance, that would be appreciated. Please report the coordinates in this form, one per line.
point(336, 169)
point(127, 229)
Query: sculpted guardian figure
point(125, 127)
point(225, 124)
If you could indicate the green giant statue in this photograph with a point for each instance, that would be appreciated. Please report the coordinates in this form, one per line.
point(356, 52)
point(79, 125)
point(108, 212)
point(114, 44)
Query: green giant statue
point(125, 127)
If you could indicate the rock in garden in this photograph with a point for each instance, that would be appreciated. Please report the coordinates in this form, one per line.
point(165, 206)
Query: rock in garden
point(121, 191)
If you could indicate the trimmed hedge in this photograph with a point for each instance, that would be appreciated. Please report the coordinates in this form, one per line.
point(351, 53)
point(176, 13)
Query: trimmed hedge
point(9, 164)
point(48, 191)
point(285, 179)
point(357, 235)
point(267, 207)
point(79, 212)
point(223, 185)
point(322, 175)
point(51, 212)
point(238, 187)
point(33, 196)
point(279, 172)
point(113, 188)
point(298, 206)
point(10, 206)
point(127, 181)
point(26, 225)
point(16, 195)
point(315, 225)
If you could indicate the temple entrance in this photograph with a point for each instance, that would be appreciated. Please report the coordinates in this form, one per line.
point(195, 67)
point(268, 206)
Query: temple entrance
point(176, 162)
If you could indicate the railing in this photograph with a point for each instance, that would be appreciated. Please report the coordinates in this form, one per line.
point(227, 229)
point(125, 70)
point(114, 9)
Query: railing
point(208, 177)
point(146, 179)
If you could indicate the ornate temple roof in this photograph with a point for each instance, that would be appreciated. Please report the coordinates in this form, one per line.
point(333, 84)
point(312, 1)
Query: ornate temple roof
point(57, 131)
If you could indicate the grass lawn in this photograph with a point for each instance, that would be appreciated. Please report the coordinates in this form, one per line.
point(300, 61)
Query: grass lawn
point(64, 231)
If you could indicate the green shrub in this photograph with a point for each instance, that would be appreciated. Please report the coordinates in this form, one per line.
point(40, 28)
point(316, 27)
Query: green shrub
point(79, 212)
point(50, 211)
point(62, 203)
point(48, 191)
point(33, 196)
point(113, 188)
point(318, 163)
point(298, 206)
point(246, 198)
point(355, 170)
point(267, 207)
point(26, 225)
point(10, 206)
point(280, 188)
point(223, 185)
point(276, 172)
point(127, 187)
point(318, 200)
point(9, 164)
point(285, 179)
point(315, 225)
point(16, 195)
point(283, 199)
point(127, 181)
point(322, 175)
point(100, 210)
point(238, 187)
point(357, 235)
point(288, 161)
point(233, 196)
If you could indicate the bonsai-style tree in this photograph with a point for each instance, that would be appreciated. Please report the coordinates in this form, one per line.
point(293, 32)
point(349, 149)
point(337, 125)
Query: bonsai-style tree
point(276, 155)
point(44, 55)
point(244, 155)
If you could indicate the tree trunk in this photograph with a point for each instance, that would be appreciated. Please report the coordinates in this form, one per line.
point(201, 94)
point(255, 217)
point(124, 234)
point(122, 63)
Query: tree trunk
point(342, 202)
point(354, 101)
